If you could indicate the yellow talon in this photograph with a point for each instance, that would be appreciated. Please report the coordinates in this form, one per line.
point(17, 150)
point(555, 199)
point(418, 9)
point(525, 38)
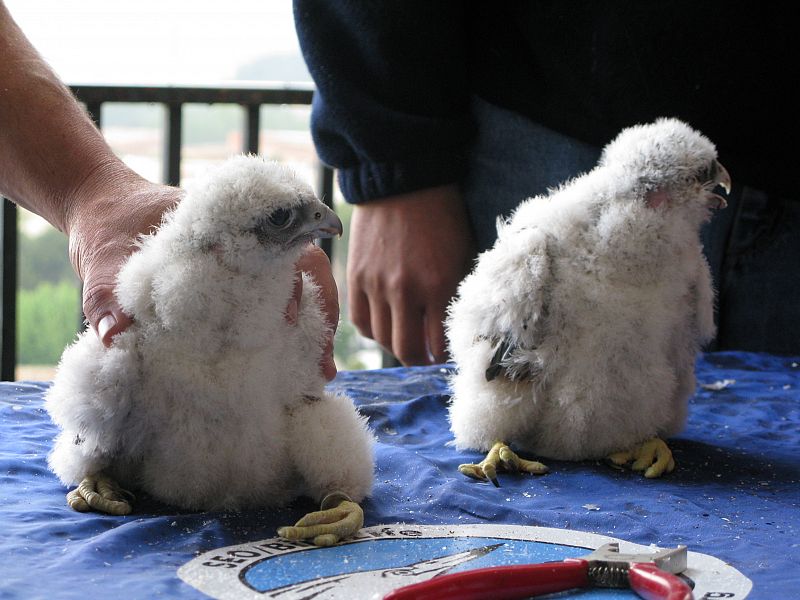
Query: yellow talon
point(327, 527)
point(325, 540)
point(501, 455)
point(513, 462)
point(653, 457)
point(473, 471)
point(100, 493)
point(76, 501)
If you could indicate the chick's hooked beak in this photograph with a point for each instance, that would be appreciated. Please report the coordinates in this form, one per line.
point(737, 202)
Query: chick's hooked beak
point(319, 221)
point(719, 176)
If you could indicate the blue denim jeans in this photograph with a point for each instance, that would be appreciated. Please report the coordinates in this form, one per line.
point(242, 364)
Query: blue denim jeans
point(753, 246)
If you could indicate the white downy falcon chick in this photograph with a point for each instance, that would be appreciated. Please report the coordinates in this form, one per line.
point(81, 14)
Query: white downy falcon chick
point(575, 336)
point(212, 399)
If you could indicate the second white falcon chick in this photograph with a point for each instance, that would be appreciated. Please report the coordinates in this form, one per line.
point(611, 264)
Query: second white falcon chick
point(575, 336)
point(211, 399)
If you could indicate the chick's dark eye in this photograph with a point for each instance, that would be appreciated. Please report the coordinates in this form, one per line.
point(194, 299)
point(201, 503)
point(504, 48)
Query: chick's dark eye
point(709, 173)
point(280, 218)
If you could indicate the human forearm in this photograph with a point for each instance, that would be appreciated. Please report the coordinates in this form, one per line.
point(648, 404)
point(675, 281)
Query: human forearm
point(54, 162)
point(52, 158)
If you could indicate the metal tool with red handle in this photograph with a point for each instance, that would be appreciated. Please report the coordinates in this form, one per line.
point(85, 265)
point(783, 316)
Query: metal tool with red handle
point(651, 576)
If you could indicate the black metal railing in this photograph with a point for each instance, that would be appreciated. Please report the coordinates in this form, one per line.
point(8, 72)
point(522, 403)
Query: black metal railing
point(251, 98)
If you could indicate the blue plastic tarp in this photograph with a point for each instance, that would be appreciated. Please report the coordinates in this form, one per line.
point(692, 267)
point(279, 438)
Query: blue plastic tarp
point(734, 495)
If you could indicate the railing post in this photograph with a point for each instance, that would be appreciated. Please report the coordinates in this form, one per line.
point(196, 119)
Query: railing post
point(8, 311)
point(95, 110)
point(172, 144)
point(252, 128)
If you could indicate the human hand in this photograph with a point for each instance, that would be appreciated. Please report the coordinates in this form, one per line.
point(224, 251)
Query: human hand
point(407, 255)
point(316, 263)
point(104, 221)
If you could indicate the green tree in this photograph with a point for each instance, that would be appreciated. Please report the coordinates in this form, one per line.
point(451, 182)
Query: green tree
point(346, 347)
point(47, 320)
point(44, 257)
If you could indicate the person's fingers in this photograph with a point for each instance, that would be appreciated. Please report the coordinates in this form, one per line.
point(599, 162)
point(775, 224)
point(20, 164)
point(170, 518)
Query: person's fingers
point(315, 262)
point(408, 335)
point(328, 363)
point(358, 301)
point(435, 334)
point(380, 316)
point(359, 312)
point(99, 304)
point(103, 313)
point(113, 323)
point(294, 301)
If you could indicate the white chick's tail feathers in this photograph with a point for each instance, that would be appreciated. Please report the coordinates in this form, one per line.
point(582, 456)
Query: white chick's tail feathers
point(77, 404)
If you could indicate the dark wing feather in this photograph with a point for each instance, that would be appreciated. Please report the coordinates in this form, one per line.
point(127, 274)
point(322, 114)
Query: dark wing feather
point(508, 361)
point(496, 367)
point(515, 356)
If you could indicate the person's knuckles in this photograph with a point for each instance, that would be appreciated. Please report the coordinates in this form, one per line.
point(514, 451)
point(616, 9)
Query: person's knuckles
point(402, 283)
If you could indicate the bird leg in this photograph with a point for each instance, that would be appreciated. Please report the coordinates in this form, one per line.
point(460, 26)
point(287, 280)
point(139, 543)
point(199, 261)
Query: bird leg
point(338, 518)
point(653, 457)
point(100, 493)
point(502, 456)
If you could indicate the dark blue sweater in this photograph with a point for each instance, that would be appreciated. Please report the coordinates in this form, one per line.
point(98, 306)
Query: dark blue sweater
point(395, 78)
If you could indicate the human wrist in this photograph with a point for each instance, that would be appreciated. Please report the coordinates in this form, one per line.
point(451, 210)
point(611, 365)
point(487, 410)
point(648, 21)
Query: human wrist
point(89, 197)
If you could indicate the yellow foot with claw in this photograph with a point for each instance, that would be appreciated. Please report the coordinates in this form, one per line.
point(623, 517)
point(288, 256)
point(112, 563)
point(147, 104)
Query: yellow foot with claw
point(100, 493)
point(503, 457)
point(653, 457)
point(339, 518)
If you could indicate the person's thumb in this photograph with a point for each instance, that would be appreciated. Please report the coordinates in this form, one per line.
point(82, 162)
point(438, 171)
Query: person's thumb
point(100, 306)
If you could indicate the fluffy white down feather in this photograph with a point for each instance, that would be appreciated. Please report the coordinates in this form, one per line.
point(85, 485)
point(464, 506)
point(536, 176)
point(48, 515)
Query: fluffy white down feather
point(602, 289)
point(211, 400)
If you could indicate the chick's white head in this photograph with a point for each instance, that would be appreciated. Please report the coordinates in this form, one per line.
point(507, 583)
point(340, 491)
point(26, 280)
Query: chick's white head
point(252, 209)
point(669, 163)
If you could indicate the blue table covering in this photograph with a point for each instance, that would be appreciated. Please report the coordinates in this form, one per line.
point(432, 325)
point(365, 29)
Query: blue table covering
point(734, 495)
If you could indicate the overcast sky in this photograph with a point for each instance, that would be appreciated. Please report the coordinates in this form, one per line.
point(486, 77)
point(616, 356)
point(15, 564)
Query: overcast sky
point(155, 41)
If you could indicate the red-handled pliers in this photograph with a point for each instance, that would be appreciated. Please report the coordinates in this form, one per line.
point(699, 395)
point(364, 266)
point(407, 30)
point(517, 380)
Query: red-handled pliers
point(651, 576)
